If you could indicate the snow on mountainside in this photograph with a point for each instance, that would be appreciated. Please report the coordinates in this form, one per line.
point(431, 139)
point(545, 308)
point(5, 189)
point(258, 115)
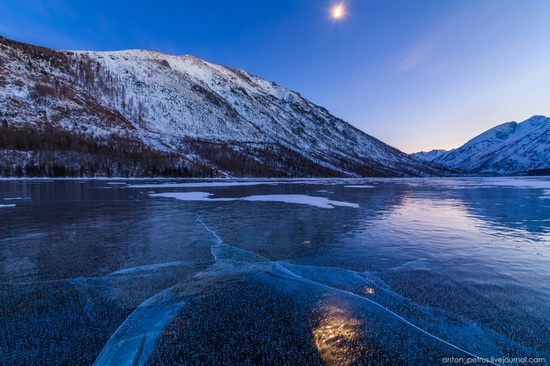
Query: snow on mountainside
point(146, 113)
point(509, 148)
point(429, 155)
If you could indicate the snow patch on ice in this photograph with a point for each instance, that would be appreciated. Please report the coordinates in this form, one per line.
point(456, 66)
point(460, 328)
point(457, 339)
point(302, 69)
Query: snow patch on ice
point(3, 206)
point(186, 196)
point(358, 186)
point(321, 202)
point(303, 199)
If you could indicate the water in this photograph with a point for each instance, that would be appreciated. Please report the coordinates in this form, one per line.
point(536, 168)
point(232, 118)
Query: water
point(334, 272)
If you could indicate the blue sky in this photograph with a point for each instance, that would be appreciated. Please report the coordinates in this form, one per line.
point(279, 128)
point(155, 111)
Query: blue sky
point(416, 74)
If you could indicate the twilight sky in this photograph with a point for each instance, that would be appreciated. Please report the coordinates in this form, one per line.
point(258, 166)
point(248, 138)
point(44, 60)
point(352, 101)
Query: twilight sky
point(417, 74)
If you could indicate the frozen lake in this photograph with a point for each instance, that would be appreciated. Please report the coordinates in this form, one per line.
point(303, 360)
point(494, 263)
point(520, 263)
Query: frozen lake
point(308, 272)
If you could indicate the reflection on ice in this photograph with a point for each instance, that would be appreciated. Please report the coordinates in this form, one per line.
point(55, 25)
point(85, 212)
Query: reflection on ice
point(369, 291)
point(336, 336)
point(485, 182)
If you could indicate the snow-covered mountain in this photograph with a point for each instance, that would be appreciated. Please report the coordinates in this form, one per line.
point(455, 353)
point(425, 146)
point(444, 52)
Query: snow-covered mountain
point(510, 148)
point(145, 113)
point(429, 155)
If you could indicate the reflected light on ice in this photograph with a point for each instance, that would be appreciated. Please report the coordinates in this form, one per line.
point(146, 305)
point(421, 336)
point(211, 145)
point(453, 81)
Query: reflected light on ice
point(452, 218)
point(336, 336)
point(443, 214)
point(369, 291)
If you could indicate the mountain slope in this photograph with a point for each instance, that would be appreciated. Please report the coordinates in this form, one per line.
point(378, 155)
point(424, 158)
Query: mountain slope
point(429, 155)
point(506, 149)
point(170, 115)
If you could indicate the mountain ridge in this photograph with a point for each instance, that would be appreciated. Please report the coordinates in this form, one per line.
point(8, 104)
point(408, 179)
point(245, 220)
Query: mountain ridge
point(429, 155)
point(181, 113)
point(507, 149)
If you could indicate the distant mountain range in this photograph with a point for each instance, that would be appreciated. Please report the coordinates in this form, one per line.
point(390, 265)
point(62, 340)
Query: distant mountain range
point(510, 148)
point(429, 155)
point(143, 113)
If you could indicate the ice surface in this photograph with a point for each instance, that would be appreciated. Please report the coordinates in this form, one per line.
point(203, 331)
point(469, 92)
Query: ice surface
point(449, 331)
point(360, 321)
point(304, 181)
point(256, 297)
point(257, 182)
point(458, 333)
point(321, 202)
point(495, 182)
point(134, 340)
point(149, 267)
point(417, 264)
point(199, 185)
point(520, 182)
point(227, 253)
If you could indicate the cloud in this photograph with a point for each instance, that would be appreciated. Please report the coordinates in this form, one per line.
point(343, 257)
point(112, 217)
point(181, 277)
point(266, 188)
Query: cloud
point(415, 58)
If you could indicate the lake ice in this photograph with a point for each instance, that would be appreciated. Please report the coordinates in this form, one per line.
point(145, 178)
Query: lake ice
point(409, 271)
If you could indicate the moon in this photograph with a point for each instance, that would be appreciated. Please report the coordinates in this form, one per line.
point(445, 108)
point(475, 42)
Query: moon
point(338, 11)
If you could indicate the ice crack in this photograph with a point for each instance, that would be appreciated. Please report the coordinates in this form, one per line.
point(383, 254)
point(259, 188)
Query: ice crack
point(199, 219)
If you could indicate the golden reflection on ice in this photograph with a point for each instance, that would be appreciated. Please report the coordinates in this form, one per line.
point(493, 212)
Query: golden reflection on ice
point(369, 291)
point(336, 336)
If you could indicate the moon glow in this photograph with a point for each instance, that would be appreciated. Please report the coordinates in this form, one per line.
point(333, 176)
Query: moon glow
point(338, 11)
